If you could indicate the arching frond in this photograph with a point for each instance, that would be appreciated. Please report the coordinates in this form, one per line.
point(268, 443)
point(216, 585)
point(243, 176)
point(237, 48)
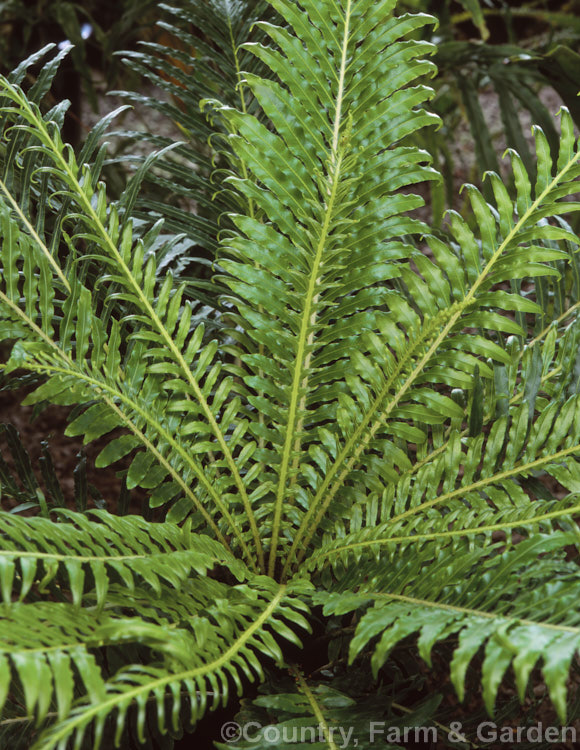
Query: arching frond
point(219, 636)
point(510, 601)
point(163, 320)
point(104, 547)
point(427, 344)
point(478, 484)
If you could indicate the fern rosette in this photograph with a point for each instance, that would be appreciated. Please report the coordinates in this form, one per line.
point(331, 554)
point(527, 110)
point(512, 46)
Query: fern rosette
point(384, 431)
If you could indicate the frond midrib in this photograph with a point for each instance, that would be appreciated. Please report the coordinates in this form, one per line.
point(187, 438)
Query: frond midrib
point(56, 557)
point(356, 439)
point(300, 377)
point(304, 688)
point(146, 415)
point(322, 555)
point(486, 481)
point(34, 234)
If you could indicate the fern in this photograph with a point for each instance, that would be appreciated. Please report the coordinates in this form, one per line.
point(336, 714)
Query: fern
point(388, 428)
point(197, 56)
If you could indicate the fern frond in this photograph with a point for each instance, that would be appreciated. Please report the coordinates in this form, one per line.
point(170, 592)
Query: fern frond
point(377, 542)
point(386, 428)
point(214, 643)
point(24, 183)
point(318, 705)
point(335, 711)
point(120, 405)
point(198, 56)
point(483, 480)
point(511, 602)
point(154, 563)
point(192, 387)
point(512, 242)
point(105, 546)
point(319, 259)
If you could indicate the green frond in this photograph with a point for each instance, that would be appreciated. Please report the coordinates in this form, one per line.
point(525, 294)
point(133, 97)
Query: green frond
point(321, 258)
point(478, 527)
point(311, 712)
point(483, 482)
point(394, 383)
point(335, 712)
point(163, 319)
point(218, 637)
point(121, 402)
point(25, 183)
point(516, 603)
point(104, 548)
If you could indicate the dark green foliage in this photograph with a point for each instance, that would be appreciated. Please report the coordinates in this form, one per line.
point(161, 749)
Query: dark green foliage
point(496, 63)
point(199, 56)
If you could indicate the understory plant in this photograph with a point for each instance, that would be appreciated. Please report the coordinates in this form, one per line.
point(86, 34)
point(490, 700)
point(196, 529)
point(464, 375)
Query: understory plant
point(380, 445)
